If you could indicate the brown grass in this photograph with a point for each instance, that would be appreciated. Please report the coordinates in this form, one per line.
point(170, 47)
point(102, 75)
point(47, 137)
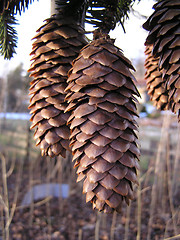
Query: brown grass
point(153, 215)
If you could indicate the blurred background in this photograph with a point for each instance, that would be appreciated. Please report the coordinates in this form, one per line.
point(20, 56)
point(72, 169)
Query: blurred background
point(39, 198)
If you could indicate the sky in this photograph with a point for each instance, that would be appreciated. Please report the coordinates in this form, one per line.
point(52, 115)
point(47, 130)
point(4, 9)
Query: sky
point(131, 42)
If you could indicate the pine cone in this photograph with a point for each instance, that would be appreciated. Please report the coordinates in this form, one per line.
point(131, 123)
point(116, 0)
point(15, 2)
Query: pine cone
point(102, 122)
point(155, 84)
point(57, 43)
point(163, 27)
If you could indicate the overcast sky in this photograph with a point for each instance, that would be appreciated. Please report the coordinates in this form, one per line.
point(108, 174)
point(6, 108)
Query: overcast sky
point(132, 42)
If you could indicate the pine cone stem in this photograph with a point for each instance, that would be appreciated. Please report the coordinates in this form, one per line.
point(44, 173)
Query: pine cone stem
point(54, 7)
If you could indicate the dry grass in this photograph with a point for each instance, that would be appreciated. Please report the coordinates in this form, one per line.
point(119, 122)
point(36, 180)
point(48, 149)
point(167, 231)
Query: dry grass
point(154, 215)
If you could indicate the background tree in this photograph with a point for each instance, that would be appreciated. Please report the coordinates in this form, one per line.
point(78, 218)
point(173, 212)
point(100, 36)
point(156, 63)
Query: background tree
point(17, 91)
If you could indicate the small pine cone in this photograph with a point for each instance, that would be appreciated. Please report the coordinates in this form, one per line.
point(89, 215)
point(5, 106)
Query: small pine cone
point(155, 84)
point(102, 122)
point(57, 43)
point(163, 27)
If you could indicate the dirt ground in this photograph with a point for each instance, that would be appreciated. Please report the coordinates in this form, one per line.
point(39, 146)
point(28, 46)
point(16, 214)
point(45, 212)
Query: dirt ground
point(153, 215)
point(73, 219)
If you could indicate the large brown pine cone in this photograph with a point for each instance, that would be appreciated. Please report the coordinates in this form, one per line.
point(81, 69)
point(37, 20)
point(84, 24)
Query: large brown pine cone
point(57, 43)
point(102, 122)
point(155, 84)
point(163, 26)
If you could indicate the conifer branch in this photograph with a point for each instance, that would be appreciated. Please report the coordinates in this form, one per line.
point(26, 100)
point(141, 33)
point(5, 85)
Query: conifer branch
point(14, 6)
point(8, 35)
point(105, 14)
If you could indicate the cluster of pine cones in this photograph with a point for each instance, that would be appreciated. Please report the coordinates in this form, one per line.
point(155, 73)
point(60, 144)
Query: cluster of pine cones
point(163, 55)
point(83, 99)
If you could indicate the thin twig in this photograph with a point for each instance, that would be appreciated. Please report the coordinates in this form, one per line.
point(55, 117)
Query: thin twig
point(32, 192)
point(113, 225)
point(3, 203)
point(48, 210)
point(170, 194)
point(146, 174)
point(146, 178)
point(5, 190)
point(56, 168)
point(139, 209)
point(2, 216)
point(11, 169)
point(157, 165)
point(104, 221)
point(176, 164)
point(60, 179)
point(145, 190)
point(174, 237)
point(168, 222)
point(37, 204)
point(127, 221)
point(97, 227)
point(80, 234)
point(13, 208)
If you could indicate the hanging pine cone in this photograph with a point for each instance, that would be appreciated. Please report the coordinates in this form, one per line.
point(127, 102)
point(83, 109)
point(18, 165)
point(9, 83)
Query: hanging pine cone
point(102, 122)
point(155, 84)
point(163, 27)
point(57, 43)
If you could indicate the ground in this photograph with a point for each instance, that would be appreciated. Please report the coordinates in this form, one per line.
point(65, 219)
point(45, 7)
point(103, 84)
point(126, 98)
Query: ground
point(155, 210)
